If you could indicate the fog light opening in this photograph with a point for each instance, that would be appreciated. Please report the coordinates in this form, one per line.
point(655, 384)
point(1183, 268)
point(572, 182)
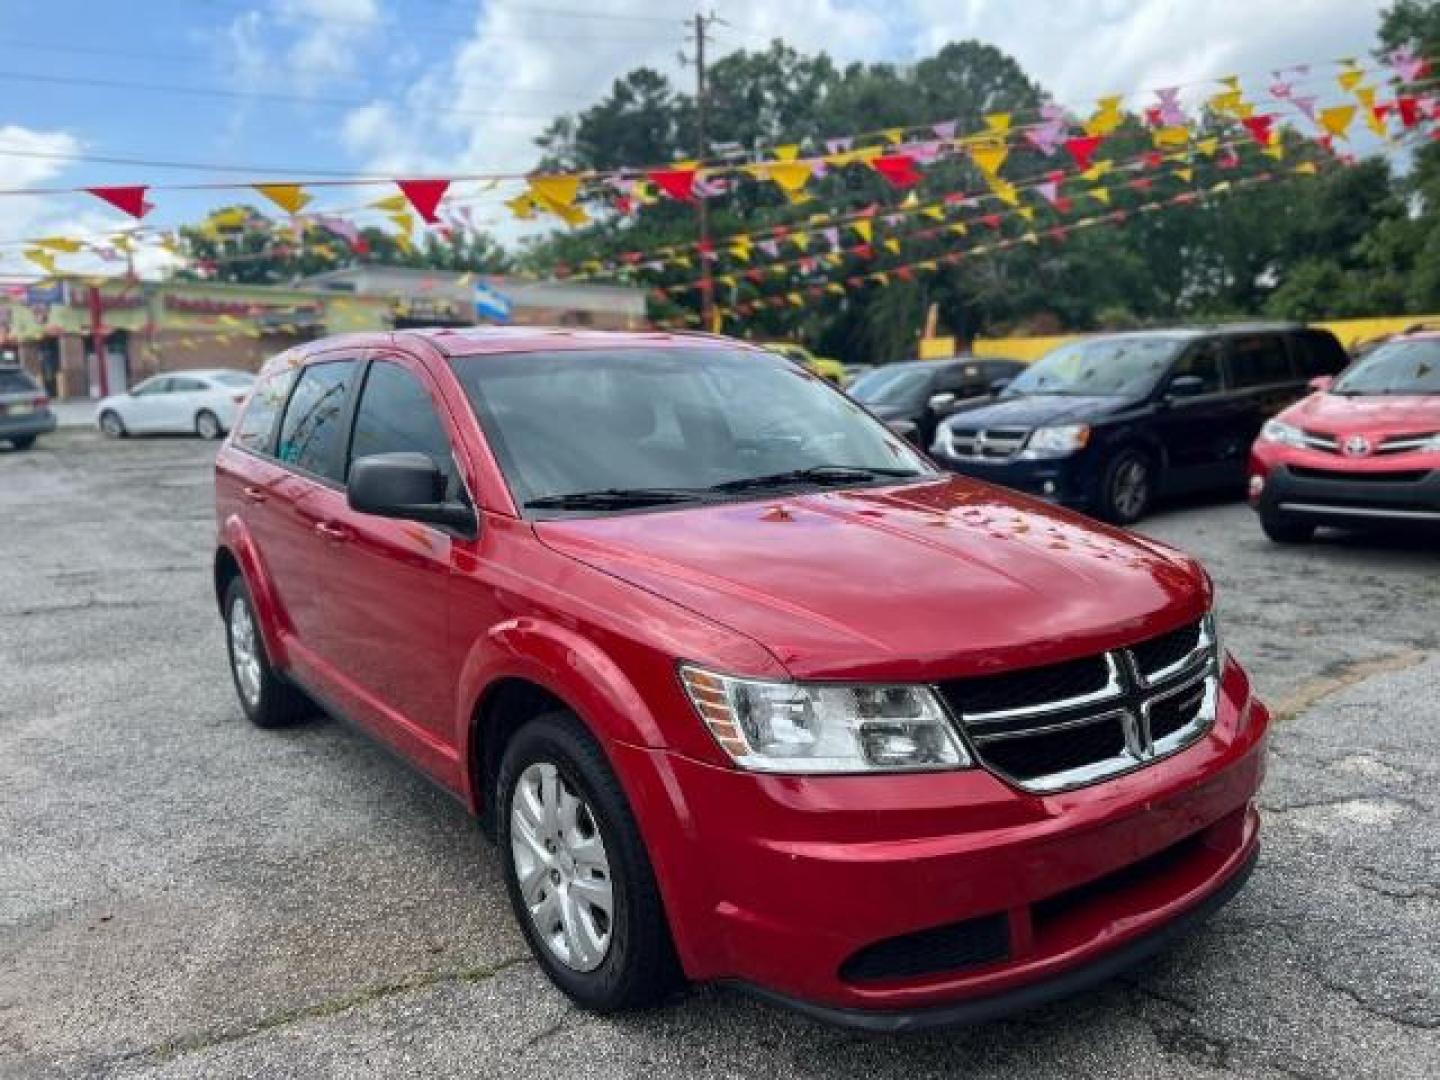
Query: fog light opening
point(1257, 485)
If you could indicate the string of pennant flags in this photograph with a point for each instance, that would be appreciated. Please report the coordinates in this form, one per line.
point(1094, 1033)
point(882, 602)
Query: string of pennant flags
point(901, 156)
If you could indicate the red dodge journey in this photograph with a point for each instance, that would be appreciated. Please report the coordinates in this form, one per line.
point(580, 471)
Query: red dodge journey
point(744, 687)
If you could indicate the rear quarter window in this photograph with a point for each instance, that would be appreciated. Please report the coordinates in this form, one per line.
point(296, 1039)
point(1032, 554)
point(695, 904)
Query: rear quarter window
point(312, 428)
point(16, 382)
point(256, 429)
point(1317, 352)
point(1259, 360)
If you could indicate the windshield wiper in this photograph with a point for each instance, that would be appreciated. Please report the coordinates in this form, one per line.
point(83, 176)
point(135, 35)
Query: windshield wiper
point(615, 498)
point(820, 474)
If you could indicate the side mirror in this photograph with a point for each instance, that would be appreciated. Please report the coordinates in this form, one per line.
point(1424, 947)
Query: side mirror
point(1321, 382)
point(997, 386)
point(1184, 386)
point(941, 401)
point(408, 486)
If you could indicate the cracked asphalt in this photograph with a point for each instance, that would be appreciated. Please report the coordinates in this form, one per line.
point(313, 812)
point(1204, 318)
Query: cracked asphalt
point(184, 895)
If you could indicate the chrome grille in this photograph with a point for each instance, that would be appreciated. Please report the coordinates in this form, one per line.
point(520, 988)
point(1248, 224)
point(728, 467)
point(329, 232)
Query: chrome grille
point(1318, 440)
point(1400, 444)
point(989, 444)
point(1093, 718)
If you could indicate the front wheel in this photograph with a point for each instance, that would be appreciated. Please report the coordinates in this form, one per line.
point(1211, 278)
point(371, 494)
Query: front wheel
point(207, 425)
point(576, 869)
point(1127, 488)
point(1282, 529)
point(23, 442)
point(111, 425)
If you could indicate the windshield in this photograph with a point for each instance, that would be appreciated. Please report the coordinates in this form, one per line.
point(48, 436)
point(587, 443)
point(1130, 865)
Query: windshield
point(233, 378)
point(1397, 367)
point(675, 423)
point(1105, 367)
point(891, 386)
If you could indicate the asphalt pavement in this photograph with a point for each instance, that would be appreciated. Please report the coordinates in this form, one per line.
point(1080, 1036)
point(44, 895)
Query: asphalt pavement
point(184, 895)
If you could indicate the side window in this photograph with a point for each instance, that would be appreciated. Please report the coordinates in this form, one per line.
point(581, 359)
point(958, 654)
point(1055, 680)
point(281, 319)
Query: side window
point(1203, 361)
point(182, 385)
point(256, 428)
point(395, 414)
point(1318, 353)
point(1260, 360)
point(957, 379)
point(310, 433)
point(151, 387)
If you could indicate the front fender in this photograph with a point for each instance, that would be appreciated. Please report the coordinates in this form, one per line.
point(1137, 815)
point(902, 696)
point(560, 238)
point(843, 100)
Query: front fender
point(235, 538)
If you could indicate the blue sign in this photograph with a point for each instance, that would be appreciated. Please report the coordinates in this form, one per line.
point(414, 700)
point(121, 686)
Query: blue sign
point(490, 304)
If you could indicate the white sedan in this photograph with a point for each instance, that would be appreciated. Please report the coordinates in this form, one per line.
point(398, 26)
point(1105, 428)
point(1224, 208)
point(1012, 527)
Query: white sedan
point(204, 402)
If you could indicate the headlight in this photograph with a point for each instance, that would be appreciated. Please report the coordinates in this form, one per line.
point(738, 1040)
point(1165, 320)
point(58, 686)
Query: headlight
point(1056, 442)
point(1432, 445)
point(1211, 631)
point(814, 728)
point(1277, 431)
point(944, 441)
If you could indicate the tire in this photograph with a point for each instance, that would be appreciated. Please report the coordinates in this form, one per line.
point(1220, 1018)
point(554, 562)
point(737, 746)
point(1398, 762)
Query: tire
point(267, 699)
point(1127, 488)
point(604, 962)
point(112, 426)
point(207, 425)
point(23, 442)
point(1287, 530)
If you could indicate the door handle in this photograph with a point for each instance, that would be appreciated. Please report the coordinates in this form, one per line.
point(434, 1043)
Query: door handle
point(254, 494)
point(337, 533)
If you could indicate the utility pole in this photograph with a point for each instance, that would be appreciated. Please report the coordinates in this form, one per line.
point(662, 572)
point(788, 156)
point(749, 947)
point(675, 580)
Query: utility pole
point(702, 151)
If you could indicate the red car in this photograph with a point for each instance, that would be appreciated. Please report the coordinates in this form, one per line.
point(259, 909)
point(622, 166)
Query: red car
point(742, 685)
point(1362, 451)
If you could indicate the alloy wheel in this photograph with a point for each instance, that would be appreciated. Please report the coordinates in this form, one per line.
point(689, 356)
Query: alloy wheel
point(245, 652)
point(1131, 487)
point(561, 867)
point(207, 426)
point(110, 425)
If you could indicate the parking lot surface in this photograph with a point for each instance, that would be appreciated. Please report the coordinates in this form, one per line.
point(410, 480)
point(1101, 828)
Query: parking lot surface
point(184, 895)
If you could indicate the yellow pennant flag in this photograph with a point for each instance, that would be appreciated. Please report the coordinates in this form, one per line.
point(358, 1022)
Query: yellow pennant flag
point(571, 215)
point(553, 193)
point(1107, 116)
point(935, 213)
point(864, 228)
point(1026, 212)
point(796, 299)
point(41, 258)
point(60, 243)
point(1099, 169)
point(740, 249)
point(1175, 135)
point(403, 221)
point(1101, 195)
point(895, 136)
point(989, 155)
point(1005, 191)
point(1350, 78)
point(788, 152)
point(391, 204)
point(959, 229)
point(910, 201)
point(835, 287)
point(402, 241)
point(1232, 81)
point(234, 218)
point(791, 176)
point(1336, 119)
point(292, 198)
point(892, 245)
point(522, 206)
point(1306, 168)
point(998, 122)
point(1243, 110)
point(1228, 102)
point(800, 238)
point(1275, 150)
point(833, 258)
point(1186, 175)
point(1208, 147)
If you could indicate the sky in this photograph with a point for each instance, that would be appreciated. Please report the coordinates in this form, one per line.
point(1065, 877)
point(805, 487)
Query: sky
point(287, 89)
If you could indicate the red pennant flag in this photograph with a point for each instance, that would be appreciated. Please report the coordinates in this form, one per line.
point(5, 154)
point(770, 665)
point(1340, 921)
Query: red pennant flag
point(1259, 127)
point(1142, 183)
point(899, 169)
point(756, 275)
point(424, 195)
point(1082, 148)
point(1154, 159)
point(992, 220)
point(904, 273)
point(129, 199)
point(1409, 110)
point(864, 251)
point(677, 183)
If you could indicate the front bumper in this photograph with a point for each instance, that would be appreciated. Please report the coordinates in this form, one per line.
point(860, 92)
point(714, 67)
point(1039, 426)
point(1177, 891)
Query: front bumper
point(1066, 480)
point(780, 882)
point(40, 422)
point(1352, 497)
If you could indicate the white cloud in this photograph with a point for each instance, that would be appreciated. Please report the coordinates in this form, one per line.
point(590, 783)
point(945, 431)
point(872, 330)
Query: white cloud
point(330, 32)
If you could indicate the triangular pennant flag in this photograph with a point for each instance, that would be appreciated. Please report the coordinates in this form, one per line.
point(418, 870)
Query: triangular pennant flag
point(863, 229)
point(998, 122)
point(554, 192)
point(788, 152)
point(989, 155)
point(129, 199)
point(1082, 148)
point(292, 198)
point(792, 176)
point(899, 169)
point(892, 245)
point(1336, 119)
point(1186, 175)
point(1306, 168)
point(1101, 195)
point(1350, 79)
point(391, 204)
point(1167, 137)
point(677, 183)
point(1260, 128)
point(59, 243)
point(1107, 116)
point(1026, 212)
point(1005, 191)
point(41, 258)
point(424, 195)
point(1208, 147)
point(522, 206)
point(894, 136)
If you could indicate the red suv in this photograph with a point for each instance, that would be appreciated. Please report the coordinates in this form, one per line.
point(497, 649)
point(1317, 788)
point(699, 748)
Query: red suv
point(1362, 451)
point(743, 686)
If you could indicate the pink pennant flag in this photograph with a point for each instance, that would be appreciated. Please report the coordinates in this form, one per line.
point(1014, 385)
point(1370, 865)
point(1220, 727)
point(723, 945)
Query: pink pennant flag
point(1281, 90)
point(925, 152)
point(832, 237)
point(838, 146)
point(893, 219)
point(946, 130)
point(1305, 103)
point(1407, 65)
point(1170, 112)
point(1050, 187)
point(1046, 137)
point(769, 247)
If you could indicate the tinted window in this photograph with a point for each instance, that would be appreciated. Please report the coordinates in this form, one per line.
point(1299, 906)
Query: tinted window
point(315, 419)
point(16, 382)
point(181, 385)
point(1260, 360)
point(1318, 353)
point(257, 423)
point(1106, 366)
point(396, 414)
point(1203, 361)
point(1397, 367)
point(158, 385)
point(958, 377)
point(676, 418)
point(898, 385)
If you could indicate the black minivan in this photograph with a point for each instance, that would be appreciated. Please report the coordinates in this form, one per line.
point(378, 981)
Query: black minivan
point(1109, 422)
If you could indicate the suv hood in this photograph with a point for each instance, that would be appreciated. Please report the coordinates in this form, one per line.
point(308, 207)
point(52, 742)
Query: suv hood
point(1375, 414)
point(1032, 411)
point(909, 582)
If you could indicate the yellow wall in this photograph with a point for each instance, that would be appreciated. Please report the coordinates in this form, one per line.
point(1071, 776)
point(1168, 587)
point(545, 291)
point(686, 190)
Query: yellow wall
point(1349, 331)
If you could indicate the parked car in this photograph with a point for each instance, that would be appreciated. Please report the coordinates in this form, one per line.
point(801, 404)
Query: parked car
point(828, 369)
point(854, 372)
point(924, 392)
point(24, 408)
point(1362, 451)
point(984, 754)
point(203, 402)
point(1108, 423)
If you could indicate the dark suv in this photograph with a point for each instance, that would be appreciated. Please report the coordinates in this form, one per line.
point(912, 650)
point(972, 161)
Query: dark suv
point(1107, 423)
point(924, 392)
point(24, 408)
